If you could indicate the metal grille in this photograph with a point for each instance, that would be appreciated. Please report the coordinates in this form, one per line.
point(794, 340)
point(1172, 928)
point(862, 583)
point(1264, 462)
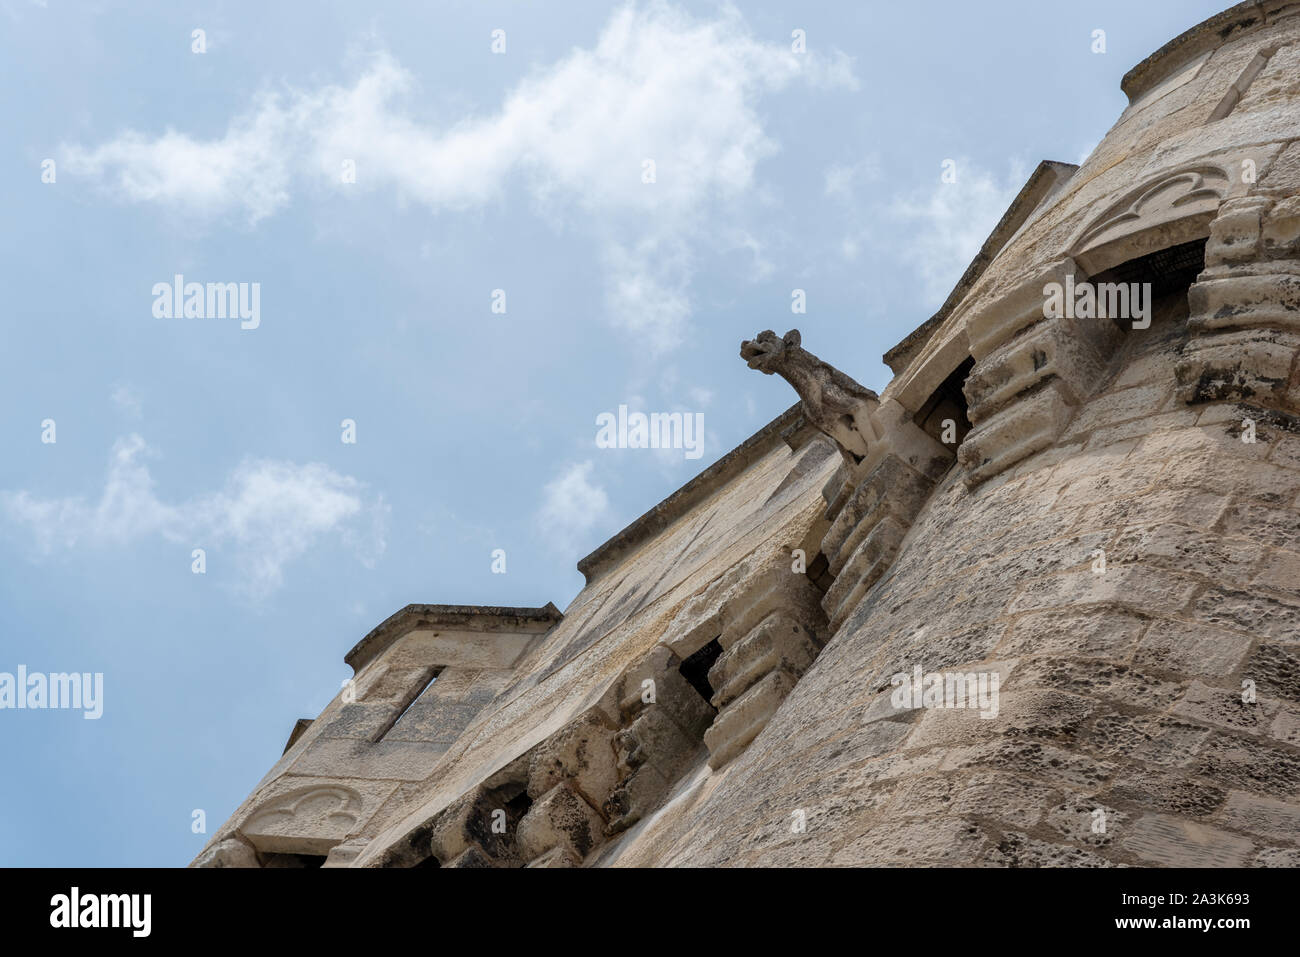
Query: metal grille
point(1167, 269)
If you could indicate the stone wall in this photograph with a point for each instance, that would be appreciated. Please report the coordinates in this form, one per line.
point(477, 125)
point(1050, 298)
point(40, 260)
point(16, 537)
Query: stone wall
point(1121, 690)
point(567, 708)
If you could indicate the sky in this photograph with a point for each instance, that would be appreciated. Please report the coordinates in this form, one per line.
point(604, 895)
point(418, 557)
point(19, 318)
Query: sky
point(471, 229)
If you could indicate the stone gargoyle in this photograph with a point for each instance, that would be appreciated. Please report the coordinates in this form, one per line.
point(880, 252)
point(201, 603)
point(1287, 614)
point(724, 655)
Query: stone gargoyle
point(833, 402)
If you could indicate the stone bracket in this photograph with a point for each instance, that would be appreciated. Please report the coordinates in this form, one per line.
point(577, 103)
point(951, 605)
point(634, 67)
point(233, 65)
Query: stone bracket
point(1031, 372)
point(876, 506)
point(1245, 307)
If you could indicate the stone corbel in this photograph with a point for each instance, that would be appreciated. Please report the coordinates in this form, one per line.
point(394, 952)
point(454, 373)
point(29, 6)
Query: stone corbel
point(661, 720)
point(877, 505)
point(767, 619)
point(1031, 372)
point(773, 630)
point(890, 466)
point(1245, 307)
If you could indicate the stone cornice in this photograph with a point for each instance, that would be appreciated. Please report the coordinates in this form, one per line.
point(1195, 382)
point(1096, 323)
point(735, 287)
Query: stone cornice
point(480, 618)
point(710, 480)
point(1206, 35)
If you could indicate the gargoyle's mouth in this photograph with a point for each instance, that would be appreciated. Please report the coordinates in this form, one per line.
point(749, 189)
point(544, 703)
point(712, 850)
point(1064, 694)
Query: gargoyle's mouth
point(753, 353)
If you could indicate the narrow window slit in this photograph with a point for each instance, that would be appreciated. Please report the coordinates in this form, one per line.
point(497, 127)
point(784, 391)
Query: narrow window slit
point(406, 705)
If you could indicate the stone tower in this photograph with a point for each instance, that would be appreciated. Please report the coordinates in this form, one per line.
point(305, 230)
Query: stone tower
point(1037, 602)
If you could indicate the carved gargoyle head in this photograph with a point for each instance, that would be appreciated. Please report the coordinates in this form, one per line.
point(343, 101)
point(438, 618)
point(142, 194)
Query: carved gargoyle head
point(765, 351)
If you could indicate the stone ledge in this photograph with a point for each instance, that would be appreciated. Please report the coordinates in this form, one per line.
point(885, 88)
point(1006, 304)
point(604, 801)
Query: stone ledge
point(1206, 35)
point(476, 618)
point(706, 483)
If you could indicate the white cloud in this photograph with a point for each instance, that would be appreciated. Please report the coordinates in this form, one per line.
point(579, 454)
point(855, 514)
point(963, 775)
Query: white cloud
point(275, 511)
point(127, 399)
point(761, 267)
point(648, 291)
point(940, 230)
point(658, 84)
point(841, 180)
point(247, 169)
point(269, 513)
point(701, 396)
point(571, 506)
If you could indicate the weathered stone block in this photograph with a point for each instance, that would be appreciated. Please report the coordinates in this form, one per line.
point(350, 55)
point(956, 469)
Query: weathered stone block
point(1234, 234)
point(481, 821)
point(634, 797)
point(654, 738)
point(947, 843)
point(778, 642)
point(1017, 849)
point(1250, 612)
point(1252, 364)
point(1027, 426)
point(1170, 842)
point(1057, 348)
point(556, 857)
point(740, 723)
point(230, 852)
point(1175, 792)
point(1250, 301)
point(659, 672)
point(1191, 649)
point(1138, 587)
point(1250, 765)
point(778, 588)
point(472, 858)
point(873, 555)
point(559, 819)
point(892, 488)
point(1267, 817)
point(583, 753)
point(994, 322)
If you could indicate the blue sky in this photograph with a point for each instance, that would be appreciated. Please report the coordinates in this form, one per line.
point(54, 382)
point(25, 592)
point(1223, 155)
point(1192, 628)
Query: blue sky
point(476, 171)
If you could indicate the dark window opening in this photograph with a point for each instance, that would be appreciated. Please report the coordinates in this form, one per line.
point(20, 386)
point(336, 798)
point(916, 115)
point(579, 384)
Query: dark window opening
point(292, 860)
point(495, 819)
point(943, 416)
point(412, 851)
point(1168, 270)
point(416, 695)
point(819, 573)
point(518, 806)
point(695, 669)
